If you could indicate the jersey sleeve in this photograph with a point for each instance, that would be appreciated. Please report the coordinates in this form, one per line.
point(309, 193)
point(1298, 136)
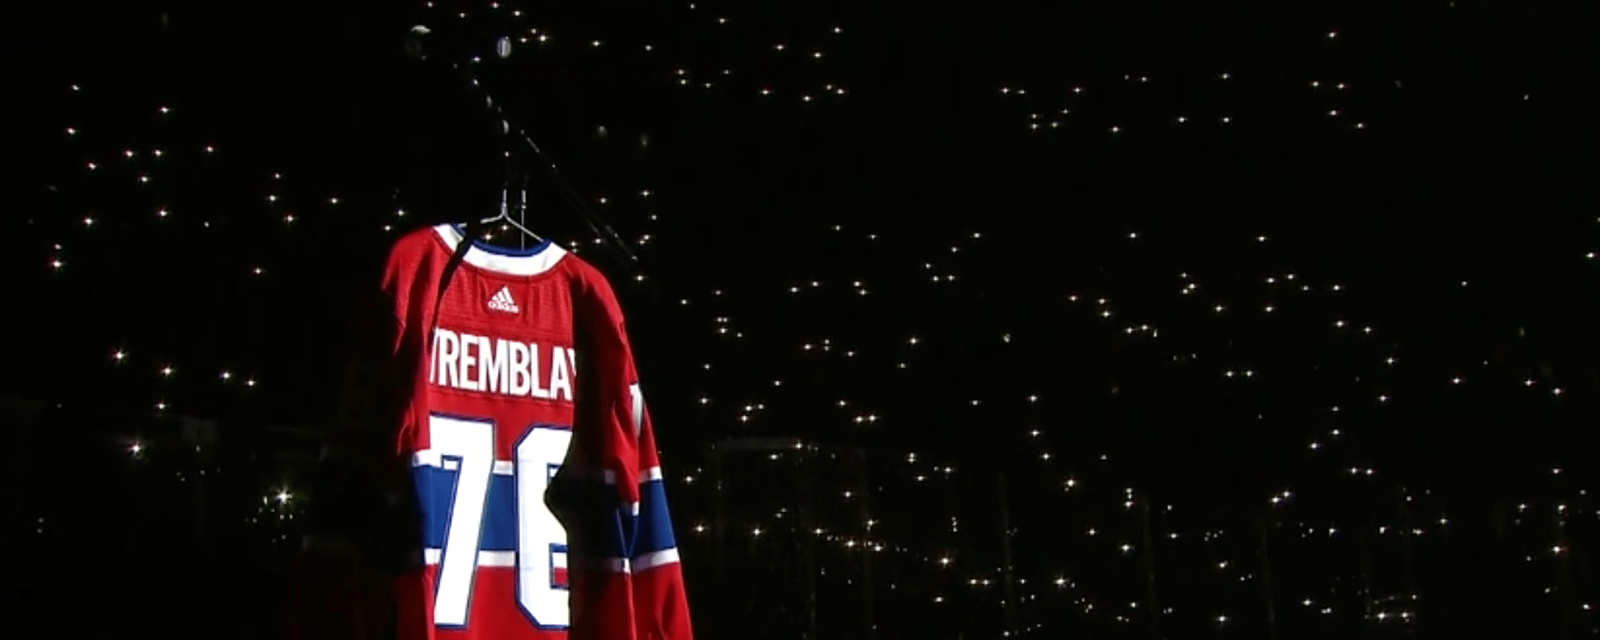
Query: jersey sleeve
point(624, 541)
point(404, 283)
point(406, 603)
point(660, 603)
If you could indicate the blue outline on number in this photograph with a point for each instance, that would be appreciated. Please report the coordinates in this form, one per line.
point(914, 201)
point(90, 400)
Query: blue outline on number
point(444, 545)
point(516, 470)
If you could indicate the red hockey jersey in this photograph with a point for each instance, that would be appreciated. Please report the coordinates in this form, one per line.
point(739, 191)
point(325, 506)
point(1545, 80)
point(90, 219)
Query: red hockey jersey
point(538, 489)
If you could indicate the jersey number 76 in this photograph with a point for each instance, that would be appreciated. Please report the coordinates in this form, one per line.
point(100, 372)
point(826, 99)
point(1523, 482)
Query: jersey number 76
point(496, 516)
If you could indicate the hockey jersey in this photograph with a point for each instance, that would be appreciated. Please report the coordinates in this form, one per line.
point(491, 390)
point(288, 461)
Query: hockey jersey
point(539, 502)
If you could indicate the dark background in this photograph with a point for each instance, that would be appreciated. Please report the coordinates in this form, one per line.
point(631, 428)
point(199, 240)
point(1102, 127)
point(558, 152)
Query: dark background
point(1081, 213)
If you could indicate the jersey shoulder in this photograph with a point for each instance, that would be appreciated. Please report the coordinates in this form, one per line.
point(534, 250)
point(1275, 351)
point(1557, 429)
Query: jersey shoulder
point(590, 280)
point(579, 269)
point(416, 245)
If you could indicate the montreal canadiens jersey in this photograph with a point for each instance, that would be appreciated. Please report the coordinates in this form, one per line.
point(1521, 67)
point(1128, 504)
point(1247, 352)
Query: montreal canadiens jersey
point(538, 493)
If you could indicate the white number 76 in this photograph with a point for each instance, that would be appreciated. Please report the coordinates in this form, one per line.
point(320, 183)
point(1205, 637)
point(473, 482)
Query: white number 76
point(539, 536)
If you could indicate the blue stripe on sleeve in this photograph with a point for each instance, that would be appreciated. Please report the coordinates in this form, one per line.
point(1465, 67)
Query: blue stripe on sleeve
point(654, 532)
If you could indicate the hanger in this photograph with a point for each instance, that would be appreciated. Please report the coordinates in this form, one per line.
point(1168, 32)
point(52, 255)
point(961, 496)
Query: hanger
point(505, 213)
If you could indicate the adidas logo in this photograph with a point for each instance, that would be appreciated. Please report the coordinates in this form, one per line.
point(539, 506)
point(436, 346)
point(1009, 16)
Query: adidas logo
point(502, 301)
